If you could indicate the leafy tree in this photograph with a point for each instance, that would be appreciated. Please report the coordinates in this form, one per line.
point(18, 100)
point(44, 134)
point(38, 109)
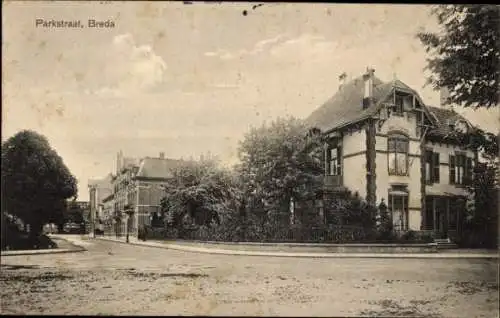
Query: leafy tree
point(199, 194)
point(279, 162)
point(35, 180)
point(481, 224)
point(464, 54)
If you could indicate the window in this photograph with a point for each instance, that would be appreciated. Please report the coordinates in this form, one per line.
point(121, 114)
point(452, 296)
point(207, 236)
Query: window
point(398, 155)
point(335, 169)
point(398, 101)
point(431, 167)
point(398, 205)
point(460, 169)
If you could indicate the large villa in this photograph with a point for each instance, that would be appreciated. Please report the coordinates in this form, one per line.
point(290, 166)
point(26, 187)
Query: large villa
point(386, 144)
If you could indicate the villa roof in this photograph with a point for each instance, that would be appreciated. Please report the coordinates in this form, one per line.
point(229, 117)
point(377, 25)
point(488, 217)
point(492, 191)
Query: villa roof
point(444, 117)
point(345, 106)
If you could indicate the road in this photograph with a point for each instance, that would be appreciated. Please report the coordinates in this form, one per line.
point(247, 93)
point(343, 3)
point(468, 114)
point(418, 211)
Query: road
point(117, 279)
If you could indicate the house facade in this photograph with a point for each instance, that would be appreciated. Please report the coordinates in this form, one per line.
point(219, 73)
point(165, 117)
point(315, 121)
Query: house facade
point(138, 189)
point(384, 143)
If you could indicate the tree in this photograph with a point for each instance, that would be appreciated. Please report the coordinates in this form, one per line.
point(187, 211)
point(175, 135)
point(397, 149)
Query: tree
point(35, 180)
point(280, 162)
point(464, 54)
point(199, 193)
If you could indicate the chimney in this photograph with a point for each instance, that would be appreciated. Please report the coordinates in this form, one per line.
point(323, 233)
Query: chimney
point(444, 94)
point(342, 80)
point(162, 155)
point(368, 90)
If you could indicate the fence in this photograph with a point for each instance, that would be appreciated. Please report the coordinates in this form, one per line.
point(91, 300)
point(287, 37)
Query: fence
point(333, 234)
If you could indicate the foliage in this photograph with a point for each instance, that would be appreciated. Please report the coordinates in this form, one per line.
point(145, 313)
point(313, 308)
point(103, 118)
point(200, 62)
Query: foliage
point(35, 180)
point(199, 194)
point(465, 53)
point(14, 238)
point(481, 225)
point(280, 162)
point(384, 224)
point(344, 208)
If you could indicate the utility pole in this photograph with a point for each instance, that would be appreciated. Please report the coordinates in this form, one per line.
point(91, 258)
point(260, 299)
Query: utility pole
point(129, 211)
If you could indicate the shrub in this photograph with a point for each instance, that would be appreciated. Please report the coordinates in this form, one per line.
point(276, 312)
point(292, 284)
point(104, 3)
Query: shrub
point(142, 233)
point(384, 227)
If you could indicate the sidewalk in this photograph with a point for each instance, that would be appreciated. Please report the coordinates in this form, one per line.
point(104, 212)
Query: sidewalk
point(70, 247)
point(438, 255)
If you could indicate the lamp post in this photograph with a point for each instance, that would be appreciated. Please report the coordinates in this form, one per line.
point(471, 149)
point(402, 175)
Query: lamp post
point(129, 211)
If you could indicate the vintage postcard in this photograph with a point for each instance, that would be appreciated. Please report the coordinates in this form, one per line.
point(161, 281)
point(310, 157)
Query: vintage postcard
point(249, 159)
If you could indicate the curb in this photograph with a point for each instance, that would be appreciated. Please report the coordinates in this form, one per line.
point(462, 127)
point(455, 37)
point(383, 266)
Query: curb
point(77, 249)
point(305, 255)
point(42, 252)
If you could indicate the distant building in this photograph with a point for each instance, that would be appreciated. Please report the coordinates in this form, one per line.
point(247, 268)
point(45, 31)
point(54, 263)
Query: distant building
point(137, 186)
point(98, 190)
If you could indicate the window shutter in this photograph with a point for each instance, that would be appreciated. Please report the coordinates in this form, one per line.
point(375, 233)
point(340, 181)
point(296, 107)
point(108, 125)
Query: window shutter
point(452, 169)
point(339, 160)
point(435, 169)
point(468, 170)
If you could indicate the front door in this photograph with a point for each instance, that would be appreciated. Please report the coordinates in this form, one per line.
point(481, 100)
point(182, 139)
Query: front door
point(441, 219)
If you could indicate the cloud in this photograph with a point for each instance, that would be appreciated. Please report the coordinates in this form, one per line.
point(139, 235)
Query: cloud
point(259, 47)
point(305, 46)
point(130, 68)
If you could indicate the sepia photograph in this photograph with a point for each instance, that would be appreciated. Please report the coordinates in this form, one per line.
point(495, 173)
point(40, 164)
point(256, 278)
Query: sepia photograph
point(185, 158)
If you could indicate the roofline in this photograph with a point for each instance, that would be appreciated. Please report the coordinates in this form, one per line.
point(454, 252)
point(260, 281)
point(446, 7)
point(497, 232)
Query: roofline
point(365, 117)
point(379, 105)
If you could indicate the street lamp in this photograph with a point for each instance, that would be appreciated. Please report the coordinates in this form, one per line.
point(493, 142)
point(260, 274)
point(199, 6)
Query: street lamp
point(129, 211)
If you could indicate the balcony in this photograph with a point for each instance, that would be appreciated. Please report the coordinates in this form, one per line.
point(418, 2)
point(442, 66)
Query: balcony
point(332, 182)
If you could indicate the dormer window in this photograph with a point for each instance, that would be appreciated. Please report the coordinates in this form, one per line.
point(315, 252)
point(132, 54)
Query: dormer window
point(402, 102)
point(451, 124)
point(461, 126)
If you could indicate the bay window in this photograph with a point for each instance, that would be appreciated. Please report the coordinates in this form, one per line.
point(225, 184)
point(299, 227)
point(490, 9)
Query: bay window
point(398, 155)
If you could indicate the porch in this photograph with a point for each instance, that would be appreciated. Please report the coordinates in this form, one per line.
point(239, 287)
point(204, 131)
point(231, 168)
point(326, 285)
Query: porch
point(443, 215)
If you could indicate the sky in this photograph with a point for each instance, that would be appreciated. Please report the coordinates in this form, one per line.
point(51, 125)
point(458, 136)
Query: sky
point(187, 79)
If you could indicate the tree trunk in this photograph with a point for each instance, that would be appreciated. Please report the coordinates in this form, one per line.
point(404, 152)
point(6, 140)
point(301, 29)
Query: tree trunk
point(35, 231)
